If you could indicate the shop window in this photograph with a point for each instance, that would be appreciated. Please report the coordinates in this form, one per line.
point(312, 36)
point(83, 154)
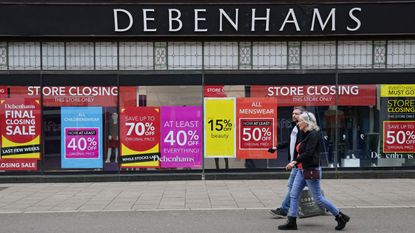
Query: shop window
point(355, 54)
point(24, 55)
point(106, 56)
point(235, 136)
point(401, 54)
point(318, 55)
point(53, 55)
point(269, 55)
point(136, 55)
point(184, 55)
point(160, 127)
point(80, 56)
point(80, 125)
point(381, 134)
point(221, 55)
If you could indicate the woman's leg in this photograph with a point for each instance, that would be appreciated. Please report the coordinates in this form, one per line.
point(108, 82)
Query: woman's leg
point(286, 202)
point(298, 186)
point(314, 187)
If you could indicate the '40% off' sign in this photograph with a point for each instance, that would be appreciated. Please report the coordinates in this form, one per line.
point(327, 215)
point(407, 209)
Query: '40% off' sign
point(82, 143)
point(182, 138)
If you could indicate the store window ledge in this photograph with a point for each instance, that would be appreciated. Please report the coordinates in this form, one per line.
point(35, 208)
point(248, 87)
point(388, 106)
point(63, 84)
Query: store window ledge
point(230, 175)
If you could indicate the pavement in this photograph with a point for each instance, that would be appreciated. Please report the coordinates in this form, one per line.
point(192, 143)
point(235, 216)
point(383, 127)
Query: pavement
point(197, 195)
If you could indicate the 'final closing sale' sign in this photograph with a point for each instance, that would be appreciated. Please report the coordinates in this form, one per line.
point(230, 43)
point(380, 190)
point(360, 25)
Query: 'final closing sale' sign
point(20, 124)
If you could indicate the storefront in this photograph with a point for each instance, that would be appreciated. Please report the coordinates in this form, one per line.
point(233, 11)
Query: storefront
point(198, 88)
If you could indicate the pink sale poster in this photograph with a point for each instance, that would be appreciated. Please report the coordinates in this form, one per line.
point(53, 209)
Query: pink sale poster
point(81, 143)
point(181, 137)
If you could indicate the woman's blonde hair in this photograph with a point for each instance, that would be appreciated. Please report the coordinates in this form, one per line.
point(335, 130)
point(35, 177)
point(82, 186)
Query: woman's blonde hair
point(310, 120)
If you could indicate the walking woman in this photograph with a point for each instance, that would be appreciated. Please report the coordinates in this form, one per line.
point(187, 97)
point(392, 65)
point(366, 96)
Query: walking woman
point(308, 163)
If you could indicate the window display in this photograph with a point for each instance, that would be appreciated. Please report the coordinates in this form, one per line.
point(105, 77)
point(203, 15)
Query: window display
point(161, 127)
point(135, 128)
point(75, 120)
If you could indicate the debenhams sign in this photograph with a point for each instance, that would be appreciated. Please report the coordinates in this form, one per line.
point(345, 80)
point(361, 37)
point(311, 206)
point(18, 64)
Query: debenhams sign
point(255, 20)
point(204, 20)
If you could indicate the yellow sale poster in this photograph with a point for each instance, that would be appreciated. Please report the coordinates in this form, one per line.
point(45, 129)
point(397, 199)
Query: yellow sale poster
point(220, 127)
point(397, 90)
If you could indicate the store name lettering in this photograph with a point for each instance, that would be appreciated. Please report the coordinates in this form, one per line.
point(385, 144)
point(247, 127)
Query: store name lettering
point(231, 18)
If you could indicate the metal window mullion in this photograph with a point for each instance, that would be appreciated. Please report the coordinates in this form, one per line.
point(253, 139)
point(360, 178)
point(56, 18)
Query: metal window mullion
point(203, 56)
point(337, 55)
point(288, 54)
point(7, 56)
point(154, 55)
point(118, 57)
point(41, 56)
point(239, 55)
point(64, 55)
point(95, 55)
point(373, 54)
point(336, 131)
point(167, 55)
point(386, 54)
point(252, 55)
point(203, 109)
point(300, 55)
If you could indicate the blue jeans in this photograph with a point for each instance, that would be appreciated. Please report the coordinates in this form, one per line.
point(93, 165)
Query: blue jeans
point(285, 205)
point(314, 188)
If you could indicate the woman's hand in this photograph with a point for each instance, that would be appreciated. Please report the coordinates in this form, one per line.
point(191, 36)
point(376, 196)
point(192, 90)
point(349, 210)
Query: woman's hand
point(290, 165)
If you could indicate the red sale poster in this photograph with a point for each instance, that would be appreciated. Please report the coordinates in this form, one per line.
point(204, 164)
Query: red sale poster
point(140, 137)
point(399, 136)
point(20, 124)
point(256, 127)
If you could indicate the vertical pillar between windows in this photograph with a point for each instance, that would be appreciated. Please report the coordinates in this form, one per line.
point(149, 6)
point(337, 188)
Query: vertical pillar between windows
point(294, 55)
point(379, 54)
point(160, 55)
point(245, 55)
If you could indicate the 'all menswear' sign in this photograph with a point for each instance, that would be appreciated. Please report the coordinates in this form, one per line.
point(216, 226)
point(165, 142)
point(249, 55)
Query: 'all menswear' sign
point(204, 20)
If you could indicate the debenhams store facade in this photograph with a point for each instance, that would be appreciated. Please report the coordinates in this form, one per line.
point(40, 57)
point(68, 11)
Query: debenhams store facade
point(195, 89)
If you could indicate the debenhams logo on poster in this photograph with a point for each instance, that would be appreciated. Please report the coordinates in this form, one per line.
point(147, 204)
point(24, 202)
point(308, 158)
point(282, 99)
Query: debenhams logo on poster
point(175, 21)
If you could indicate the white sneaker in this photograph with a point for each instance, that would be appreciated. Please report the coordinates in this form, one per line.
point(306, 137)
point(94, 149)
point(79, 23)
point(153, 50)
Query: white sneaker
point(331, 165)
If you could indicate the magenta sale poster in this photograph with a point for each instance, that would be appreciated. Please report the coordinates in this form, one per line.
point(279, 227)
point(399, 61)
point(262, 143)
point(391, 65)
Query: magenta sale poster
point(81, 143)
point(181, 137)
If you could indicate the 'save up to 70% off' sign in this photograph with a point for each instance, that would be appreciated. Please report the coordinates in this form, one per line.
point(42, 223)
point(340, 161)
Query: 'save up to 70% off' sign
point(140, 128)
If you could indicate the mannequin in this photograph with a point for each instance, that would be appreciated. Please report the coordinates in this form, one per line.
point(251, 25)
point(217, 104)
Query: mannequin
point(330, 123)
point(113, 138)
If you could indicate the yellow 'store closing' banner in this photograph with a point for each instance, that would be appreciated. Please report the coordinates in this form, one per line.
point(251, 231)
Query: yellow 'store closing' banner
point(397, 90)
point(220, 127)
